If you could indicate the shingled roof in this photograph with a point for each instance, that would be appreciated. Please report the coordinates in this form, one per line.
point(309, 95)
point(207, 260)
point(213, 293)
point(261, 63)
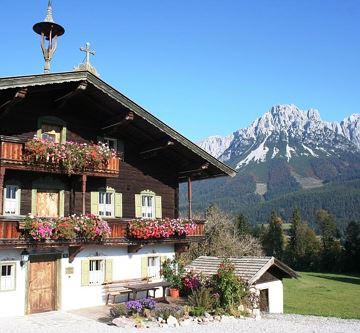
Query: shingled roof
point(249, 269)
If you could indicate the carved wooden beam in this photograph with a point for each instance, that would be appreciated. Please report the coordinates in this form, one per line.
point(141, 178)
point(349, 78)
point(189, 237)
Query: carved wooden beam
point(18, 97)
point(187, 173)
point(64, 99)
point(135, 248)
point(154, 149)
point(118, 122)
point(73, 251)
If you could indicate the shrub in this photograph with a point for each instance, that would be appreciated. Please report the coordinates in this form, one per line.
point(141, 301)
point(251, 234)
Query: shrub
point(230, 288)
point(202, 298)
point(118, 310)
point(134, 307)
point(197, 311)
point(148, 303)
point(172, 271)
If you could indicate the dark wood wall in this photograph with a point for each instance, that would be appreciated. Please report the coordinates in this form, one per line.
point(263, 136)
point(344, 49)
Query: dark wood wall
point(83, 116)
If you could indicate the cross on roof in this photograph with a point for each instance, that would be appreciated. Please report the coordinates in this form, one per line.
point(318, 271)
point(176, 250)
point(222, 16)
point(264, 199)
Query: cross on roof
point(88, 52)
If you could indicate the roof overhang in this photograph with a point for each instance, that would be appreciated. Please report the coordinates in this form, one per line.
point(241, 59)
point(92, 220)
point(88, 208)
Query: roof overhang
point(206, 161)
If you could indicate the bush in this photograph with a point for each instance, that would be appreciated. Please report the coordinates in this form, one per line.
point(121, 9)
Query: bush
point(172, 270)
point(197, 311)
point(202, 298)
point(118, 310)
point(228, 286)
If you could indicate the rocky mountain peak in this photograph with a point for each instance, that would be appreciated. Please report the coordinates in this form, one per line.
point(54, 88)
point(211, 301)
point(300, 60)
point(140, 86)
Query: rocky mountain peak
point(285, 131)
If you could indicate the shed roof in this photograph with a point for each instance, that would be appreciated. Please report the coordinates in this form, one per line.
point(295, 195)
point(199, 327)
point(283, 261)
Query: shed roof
point(249, 269)
point(104, 94)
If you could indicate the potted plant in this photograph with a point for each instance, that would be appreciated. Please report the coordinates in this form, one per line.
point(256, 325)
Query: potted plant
point(172, 271)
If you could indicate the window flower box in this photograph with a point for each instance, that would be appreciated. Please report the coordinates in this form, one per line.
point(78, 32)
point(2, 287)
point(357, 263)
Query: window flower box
point(71, 157)
point(75, 227)
point(155, 229)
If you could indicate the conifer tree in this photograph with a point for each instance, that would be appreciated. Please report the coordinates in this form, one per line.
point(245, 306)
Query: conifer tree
point(273, 239)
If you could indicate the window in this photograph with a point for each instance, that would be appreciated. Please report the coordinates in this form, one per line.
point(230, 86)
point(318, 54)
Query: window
point(112, 143)
point(147, 206)
point(11, 200)
point(51, 133)
point(154, 267)
point(96, 271)
point(7, 280)
point(106, 204)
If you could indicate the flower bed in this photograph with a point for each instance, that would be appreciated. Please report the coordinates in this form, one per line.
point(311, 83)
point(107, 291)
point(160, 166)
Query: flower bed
point(166, 228)
point(82, 227)
point(72, 157)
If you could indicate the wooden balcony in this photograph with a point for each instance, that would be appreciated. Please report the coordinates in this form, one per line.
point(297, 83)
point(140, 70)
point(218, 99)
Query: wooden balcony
point(11, 235)
point(12, 157)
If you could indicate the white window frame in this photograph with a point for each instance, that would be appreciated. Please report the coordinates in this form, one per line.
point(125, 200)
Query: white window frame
point(147, 211)
point(96, 271)
point(104, 207)
point(107, 140)
point(13, 203)
point(154, 267)
point(7, 282)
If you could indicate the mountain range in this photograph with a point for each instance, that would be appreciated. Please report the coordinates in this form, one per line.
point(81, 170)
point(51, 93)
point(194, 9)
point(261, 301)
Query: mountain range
point(286, 153)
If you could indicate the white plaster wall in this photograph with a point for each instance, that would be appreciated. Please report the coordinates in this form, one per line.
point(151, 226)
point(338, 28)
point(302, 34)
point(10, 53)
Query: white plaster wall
point(12, 303)
point(125, 266)
point(276, 295)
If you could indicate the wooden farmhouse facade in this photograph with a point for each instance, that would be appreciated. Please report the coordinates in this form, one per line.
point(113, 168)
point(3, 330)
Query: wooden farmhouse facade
point(55, 166)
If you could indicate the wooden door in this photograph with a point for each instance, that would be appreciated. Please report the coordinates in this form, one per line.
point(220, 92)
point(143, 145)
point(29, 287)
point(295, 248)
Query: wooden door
point(47, 203)
point(42, 286)
point(264, 300)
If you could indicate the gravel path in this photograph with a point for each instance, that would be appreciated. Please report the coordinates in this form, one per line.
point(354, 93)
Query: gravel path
point(64, 322)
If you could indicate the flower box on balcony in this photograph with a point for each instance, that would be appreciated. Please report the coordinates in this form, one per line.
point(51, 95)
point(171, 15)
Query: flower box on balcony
point(157, 229)
point(80, 228)
point(71, 157)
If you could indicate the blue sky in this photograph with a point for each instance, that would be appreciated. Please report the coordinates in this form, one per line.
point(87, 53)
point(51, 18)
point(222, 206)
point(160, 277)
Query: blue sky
point(205, 67)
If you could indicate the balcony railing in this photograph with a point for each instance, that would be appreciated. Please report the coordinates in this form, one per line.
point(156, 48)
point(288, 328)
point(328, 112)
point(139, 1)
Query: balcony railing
point(12, 156)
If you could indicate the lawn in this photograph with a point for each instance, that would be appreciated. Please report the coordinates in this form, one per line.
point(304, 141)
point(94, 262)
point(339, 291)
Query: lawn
point(322, 294)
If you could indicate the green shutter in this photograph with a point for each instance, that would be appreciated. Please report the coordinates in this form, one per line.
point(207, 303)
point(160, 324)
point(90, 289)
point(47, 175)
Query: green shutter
point(158, 208)
point(144, 267)
point(108, 270)
point(33, 201)
point(118, 204)
point(61, 203)
point(85, 278)
point(94, 203)
point(138, 205)
point(63, 135)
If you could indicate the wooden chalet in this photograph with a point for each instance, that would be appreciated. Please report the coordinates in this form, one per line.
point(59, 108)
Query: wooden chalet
point(139, 181)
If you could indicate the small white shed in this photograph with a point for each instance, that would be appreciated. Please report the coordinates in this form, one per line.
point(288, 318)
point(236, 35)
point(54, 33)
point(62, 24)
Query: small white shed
point(262, 274)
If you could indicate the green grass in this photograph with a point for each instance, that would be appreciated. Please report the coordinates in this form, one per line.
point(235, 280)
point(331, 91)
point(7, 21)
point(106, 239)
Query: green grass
point(322, 294)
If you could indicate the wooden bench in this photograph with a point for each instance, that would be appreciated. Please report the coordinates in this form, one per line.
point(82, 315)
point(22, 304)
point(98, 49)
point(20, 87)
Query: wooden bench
point(117, 288)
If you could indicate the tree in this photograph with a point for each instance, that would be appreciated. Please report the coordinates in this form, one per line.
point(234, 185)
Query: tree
point(242, 226)
point(303, 248)
point(352, 247)
point(331, 250)
point(221, 239)
point(273, 239)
